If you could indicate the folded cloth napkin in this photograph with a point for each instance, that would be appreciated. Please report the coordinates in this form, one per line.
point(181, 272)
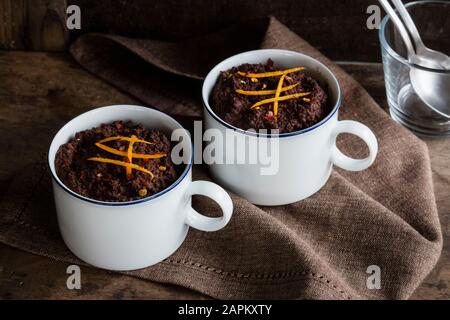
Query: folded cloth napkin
point(318, 248)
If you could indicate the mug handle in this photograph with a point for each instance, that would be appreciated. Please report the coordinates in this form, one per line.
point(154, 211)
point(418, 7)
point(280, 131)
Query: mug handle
point(216, 193)
point(363, 132)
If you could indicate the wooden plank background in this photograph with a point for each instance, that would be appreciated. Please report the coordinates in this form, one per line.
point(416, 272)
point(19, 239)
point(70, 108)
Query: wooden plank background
point(337, 28)
point(38, 25)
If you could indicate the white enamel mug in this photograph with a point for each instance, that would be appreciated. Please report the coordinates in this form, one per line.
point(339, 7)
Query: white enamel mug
point(306, 157)
point(135, 234)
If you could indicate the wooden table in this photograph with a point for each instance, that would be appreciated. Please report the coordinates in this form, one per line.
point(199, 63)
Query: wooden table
point(39, 92)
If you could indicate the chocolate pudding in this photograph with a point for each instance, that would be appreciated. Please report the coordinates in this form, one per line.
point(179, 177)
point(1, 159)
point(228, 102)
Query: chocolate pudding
point(116, 162)
point(262, 96)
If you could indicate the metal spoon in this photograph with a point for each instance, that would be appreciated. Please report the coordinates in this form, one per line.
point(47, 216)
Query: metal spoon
point(422, 51)
point(433, 87)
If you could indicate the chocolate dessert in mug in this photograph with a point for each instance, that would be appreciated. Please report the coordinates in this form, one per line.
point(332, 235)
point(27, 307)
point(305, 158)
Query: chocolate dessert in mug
point(298, 96)
point(127, 148)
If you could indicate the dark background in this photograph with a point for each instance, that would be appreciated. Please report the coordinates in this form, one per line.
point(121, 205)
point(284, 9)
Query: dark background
point(336, 27)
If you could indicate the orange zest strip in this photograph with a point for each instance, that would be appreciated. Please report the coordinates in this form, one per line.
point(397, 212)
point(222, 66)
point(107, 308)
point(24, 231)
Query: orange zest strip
point(111, 150)
point(130, 153)
point(124, 139)
point(142, 141)
point(149, 156)
point(283, 98)
point(125, 154)
point(121, 163)
point(269, 74)
point(265, 92)
point(277, 96)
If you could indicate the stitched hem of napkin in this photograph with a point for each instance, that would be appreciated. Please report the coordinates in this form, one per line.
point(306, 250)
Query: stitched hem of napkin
point(297, 275)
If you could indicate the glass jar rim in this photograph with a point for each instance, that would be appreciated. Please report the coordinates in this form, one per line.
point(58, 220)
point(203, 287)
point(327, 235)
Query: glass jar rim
point(393, 53)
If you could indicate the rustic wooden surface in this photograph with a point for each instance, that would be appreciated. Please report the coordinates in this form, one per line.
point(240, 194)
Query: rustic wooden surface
point(39, 92)
point(12, 24)
point(33, 25)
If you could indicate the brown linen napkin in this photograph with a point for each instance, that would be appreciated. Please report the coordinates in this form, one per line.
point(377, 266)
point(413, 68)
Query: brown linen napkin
point(317, 248)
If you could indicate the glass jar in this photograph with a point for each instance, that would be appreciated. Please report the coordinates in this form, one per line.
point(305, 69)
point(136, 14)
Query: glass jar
point(432, 18)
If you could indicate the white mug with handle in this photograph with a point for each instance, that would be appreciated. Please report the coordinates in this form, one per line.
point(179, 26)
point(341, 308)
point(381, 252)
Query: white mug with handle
point(305, 157)
point(134, 234)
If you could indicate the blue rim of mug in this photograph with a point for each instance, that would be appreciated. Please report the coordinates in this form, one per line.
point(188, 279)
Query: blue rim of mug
point(385, 45)
point(336, 106)
point(125, 203)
